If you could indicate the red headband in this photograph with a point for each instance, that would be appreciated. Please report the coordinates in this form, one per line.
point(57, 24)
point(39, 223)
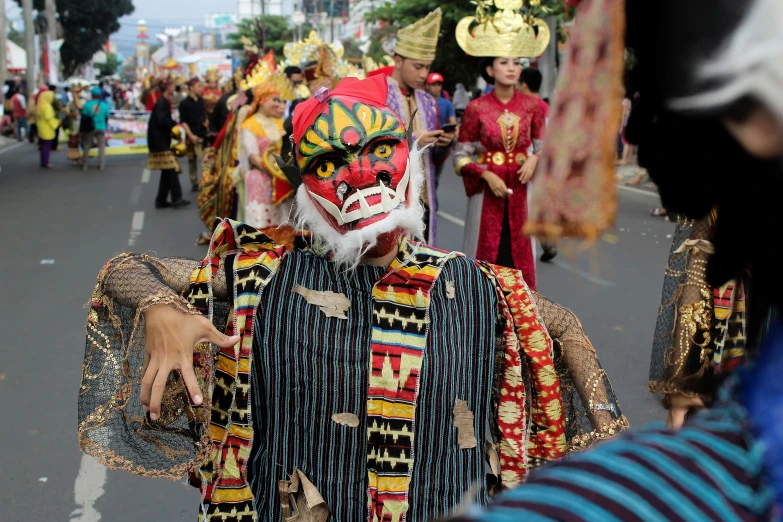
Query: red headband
point(372, 91)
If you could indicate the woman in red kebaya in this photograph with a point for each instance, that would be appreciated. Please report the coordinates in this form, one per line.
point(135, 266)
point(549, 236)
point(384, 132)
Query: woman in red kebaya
point(495, 157)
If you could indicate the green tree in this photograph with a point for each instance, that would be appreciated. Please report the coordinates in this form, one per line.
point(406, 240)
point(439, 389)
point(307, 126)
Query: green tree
point(277, 32)
point(86, 27)
point(450, 60)
point(16, 36)
point(352, 50)
point(111, 65)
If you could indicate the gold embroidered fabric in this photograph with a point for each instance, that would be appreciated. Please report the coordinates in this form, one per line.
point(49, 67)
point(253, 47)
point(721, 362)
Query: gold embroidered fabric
point(113, 426)
point(683, 344)
point(591, 407)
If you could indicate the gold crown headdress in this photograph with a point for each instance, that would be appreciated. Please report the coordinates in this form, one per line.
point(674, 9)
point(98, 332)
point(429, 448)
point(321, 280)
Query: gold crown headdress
point(328, 57)
point(265, 70)
point(505, 33)
point(419, 41)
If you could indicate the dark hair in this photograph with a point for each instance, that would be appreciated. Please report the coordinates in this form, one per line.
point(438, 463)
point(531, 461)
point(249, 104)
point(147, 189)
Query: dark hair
point(292, 70)
point(100, 83)
point(531, 77)
point(52, 87)
point(178, 88)
point(487, 62)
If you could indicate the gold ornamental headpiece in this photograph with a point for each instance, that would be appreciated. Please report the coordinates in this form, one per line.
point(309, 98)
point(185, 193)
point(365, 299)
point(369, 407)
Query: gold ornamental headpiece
point(505, 33)
point(266, 71)
point(419, 41)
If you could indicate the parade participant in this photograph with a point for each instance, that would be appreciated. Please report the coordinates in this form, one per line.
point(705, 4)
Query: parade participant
point(414, 52)
point(96, 112)
point(19, 104)
point(73, 112)
point(47, 123)
point(211, 92)
point(265, 195)
point(725, 463)
point(362, 376)
point(155, 91)
point(160, 156)
point(492, 154)
point(193, 117)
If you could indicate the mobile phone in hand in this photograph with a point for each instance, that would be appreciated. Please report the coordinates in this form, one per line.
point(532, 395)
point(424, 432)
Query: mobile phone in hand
point(449, 128)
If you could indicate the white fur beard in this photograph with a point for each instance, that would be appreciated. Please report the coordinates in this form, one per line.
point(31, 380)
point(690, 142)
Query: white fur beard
point(349, 248)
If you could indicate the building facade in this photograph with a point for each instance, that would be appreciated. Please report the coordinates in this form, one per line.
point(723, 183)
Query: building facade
point(253, 8)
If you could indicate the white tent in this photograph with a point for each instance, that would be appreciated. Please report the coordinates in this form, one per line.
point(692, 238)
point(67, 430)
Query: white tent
point(16, 57)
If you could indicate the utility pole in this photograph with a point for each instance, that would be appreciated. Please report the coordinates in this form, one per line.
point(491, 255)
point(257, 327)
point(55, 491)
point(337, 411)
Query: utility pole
point(51, 32)
point(29, 44)
point(3, 38)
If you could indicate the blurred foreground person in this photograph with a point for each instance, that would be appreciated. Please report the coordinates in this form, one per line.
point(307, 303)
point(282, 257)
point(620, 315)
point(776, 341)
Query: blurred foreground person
point(717, 84)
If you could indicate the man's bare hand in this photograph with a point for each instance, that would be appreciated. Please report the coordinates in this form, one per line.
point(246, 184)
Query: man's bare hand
point(171, 336)
point(429, 137)
point(680, 405)
point(527, 169)
point(496, 185)
point(445, 139)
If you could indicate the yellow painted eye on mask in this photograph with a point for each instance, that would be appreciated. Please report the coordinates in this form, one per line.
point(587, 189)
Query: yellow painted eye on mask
point(325, 169)
point(382, 150)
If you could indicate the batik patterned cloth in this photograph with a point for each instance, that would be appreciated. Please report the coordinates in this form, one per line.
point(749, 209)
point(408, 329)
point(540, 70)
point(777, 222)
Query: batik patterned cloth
point(574, 189)
point(426, 119)
point(477, 381)
point(700, 331)
point(162, 161)
point(216, 190)
point(496, 136)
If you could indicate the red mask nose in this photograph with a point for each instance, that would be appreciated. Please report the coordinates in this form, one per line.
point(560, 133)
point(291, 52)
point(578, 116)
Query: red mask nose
point(360, 173)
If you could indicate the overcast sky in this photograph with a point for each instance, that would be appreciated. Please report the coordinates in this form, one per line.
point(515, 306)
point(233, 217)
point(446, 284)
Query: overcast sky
point(187, 11)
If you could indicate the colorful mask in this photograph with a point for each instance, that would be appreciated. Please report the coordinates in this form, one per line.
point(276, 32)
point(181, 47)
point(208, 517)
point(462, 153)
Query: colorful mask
point(353, 154)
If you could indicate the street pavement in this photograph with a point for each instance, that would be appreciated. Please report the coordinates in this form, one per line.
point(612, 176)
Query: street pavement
point(61, 225)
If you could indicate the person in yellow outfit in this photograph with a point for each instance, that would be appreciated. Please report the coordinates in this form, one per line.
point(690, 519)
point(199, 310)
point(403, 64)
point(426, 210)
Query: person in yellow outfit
point(48, 123)
point(265, 195)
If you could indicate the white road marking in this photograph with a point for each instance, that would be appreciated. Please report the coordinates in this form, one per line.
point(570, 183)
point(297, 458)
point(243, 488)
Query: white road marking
point(135, 196)
point(453, 219)
point(145, 176)
point(47, 261)
point(87, 490)
point(137, 224)
point(581, 273)
point(639, 191)
point(12, 147)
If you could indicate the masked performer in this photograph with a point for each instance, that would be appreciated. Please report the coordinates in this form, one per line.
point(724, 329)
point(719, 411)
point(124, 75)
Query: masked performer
point(717, 85)
point(414, 52)
point(362, 376)
point(492, 155)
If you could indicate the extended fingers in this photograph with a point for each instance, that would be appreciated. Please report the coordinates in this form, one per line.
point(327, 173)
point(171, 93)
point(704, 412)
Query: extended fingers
point(158, 387)
point(148, 379)
point(191, 382)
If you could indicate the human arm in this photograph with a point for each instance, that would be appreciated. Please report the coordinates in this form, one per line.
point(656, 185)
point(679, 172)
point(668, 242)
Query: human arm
point(537, 127)
point(581, 363)
point(154, 288)
point(680, 365)
point(161, 114)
